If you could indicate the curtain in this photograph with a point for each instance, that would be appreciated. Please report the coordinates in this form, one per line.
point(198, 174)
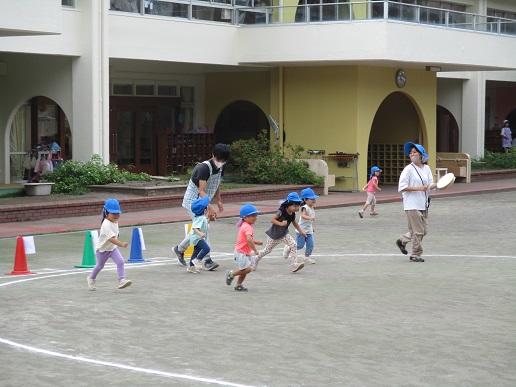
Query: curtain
point(19, 144)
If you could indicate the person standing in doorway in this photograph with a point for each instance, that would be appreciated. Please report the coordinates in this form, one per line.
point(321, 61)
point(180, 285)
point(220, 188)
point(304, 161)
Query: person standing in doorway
point(415, 183)
point(205, 181)
point(506, 136)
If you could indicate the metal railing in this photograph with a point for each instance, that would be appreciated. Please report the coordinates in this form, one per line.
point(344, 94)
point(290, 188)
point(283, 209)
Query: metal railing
point(262, 12)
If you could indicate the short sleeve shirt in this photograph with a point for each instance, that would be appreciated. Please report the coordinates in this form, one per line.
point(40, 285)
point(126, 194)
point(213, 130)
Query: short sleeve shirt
point(202, 172)
point(413, 176)
point(108, 230)
point(241, 245)
point(200, 222)
point(371, 183)
point(278, 232)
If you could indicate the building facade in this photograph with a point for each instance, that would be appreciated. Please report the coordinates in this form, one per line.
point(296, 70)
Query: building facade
point(152, 84)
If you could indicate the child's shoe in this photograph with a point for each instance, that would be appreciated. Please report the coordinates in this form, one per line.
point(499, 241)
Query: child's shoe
point(240, 288)
point(286, 252)
point(180, 256)
point(192, 269)
point(373, 213)
point(361, 214)
point(296, 266)
point(91, 283)
point(309, 260)
point(198, 264)
point(229, 277)
point(124, 283)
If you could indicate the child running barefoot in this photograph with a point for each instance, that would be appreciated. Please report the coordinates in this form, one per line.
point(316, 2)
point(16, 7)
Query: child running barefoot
point(244, 247)
point(107, 246)
point(278, 232)
point(199, 234)
point(371, 187)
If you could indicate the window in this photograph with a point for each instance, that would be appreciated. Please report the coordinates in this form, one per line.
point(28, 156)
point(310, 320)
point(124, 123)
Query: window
point(145, 89)
point(123, 89)
point(503, 26)
point(68, 3)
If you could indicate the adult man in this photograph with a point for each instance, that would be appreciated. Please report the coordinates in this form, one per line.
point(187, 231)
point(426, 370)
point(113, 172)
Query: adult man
point(205, 181)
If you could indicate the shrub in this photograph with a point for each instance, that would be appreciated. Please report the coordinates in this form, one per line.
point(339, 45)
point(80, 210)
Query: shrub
point(259, 163)
point(493, 160)
point(73, 177)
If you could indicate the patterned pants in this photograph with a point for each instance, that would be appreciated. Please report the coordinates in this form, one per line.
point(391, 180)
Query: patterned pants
point(272, 243)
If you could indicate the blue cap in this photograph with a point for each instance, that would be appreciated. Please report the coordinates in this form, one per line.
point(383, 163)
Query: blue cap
point(408, 147)
point(199, 205)
point(112, 206)
point(293, 197)
point(309, 193)
point(248, 210)
point(374, 169)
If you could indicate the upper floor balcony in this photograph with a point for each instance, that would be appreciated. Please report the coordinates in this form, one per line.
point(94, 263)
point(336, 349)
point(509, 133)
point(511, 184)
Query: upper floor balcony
point(28, 17)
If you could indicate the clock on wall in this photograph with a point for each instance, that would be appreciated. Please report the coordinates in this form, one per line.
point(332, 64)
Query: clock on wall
point(401, 78)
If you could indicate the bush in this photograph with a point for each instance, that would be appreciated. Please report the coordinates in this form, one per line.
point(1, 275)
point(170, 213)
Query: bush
point(494, 160)
point(73, 177)
point(258, 163)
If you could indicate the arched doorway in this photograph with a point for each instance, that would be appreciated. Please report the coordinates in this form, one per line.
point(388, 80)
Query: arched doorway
point(447, 131)
point(511, 117)
point(240, 120)
point(38, 130)
point(396, 121)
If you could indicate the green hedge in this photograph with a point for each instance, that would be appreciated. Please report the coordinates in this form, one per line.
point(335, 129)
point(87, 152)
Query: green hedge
point(73, 177)
point(492, 160)
point(257, 162)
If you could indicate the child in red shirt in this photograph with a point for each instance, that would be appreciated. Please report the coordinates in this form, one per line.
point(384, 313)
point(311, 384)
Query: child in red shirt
point(371, 187)
point(244, 247)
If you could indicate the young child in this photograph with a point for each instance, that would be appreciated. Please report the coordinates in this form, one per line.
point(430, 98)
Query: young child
point(306, 221)
point(199, 234)
point(244, 247)
point(278, 232)
point(371, 187)
point(108, 243)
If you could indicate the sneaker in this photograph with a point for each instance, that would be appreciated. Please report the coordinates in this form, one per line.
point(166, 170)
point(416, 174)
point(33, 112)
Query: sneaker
point(373, 213)
point(91, 283)
point(180, 256)
point(124, 283)
point(210, 266)
point(361, 214)
point(414, 258)
point(192, 269)
point(297, 266)
point(197, 264)
point(229, 277)
point(401, 246)
point(309, 260)
point(240, 288)
point(286, 252)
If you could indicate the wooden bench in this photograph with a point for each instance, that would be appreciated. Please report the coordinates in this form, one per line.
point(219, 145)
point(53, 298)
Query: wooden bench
point(457, 163)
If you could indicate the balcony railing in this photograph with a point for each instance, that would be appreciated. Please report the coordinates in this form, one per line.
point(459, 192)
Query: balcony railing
point(262, 12)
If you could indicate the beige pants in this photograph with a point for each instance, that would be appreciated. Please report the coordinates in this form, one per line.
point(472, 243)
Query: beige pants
point(417, 230)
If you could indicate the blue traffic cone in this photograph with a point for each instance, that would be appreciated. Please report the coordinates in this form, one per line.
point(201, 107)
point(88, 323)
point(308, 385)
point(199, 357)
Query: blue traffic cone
point(136, 255)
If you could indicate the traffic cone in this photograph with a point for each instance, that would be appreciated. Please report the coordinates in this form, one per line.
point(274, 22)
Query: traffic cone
point(88, 253)
point(20, 259)
point(189, 251)
point(136, 255)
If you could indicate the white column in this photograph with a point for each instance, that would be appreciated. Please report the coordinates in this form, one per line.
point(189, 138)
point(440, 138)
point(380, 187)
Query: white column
point(473, 114)
point(90, 78)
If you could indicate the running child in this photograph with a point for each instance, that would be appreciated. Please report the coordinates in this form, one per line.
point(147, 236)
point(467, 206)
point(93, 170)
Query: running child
point(278, 232)
point(244, 247)
point(306, 222)
point(199, 234)
point(371, 187)
point(108, 243)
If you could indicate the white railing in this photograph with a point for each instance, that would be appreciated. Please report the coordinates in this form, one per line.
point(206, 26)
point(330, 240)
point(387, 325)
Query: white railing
point(262, 12)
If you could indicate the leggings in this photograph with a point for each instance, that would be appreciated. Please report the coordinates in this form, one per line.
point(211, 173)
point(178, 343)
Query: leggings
point(103, 256)
point(271, 243)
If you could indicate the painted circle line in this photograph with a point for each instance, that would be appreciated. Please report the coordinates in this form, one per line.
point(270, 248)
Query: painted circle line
point(161, 262)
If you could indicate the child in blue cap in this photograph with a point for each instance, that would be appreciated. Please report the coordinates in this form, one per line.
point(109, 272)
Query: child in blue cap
point(278, 232)
point(108, 244)
point(244, 247)
point(199, 234)
point(371, 187)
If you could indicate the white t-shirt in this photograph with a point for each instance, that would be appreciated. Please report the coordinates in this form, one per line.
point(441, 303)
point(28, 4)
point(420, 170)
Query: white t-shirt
point(306, 225)
point(415, 200)
point(108, 230)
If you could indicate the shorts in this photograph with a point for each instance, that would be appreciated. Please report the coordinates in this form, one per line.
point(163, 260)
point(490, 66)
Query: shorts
point(371, 198)
point(242, 260)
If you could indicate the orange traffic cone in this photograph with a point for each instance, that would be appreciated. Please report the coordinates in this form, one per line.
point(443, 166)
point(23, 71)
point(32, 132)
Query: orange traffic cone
point(20, 260)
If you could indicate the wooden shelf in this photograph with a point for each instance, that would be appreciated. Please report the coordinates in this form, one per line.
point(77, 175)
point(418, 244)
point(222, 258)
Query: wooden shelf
point(390, 158)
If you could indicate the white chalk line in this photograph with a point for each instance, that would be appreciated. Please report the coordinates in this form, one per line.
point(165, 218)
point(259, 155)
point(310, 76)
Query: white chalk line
point(159, 261)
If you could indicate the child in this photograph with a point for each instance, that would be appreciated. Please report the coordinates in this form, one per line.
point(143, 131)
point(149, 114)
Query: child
point(199, 234)
point(278, 232)
point(108, 243)
point(306, 221)
point(506, 136)
point(244, 247)
point(371, 187)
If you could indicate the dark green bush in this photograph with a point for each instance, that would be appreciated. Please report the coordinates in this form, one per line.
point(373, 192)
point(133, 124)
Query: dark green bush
point(259, 163)
point(73, 177)
point(493, 160)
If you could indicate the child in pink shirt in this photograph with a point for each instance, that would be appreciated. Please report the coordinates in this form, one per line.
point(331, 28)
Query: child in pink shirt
point(371, 187)
point(244, 247)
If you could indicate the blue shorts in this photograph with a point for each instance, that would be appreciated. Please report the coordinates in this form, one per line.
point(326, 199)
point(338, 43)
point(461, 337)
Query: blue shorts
point(243, 261)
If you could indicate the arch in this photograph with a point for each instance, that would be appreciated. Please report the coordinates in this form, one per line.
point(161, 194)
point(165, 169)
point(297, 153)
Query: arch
point(447, 131)
point(240, 120)
point(36, 121)
point(511, 117)
point(398, 119)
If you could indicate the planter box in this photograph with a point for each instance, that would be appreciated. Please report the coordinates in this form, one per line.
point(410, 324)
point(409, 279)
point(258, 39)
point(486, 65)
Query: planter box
point(38, 189)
